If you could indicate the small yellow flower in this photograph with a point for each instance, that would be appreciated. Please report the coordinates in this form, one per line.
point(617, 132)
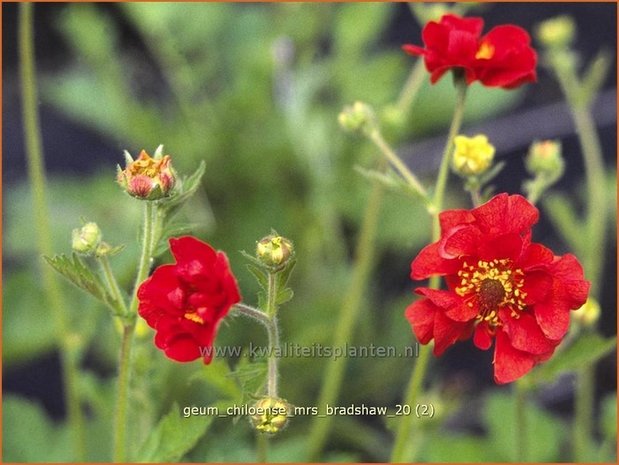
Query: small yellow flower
point(472, 155)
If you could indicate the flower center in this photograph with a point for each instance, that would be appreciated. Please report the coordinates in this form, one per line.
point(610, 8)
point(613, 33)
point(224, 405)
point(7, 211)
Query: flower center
point(491, 286)
point(193, 316)
point(485, 51)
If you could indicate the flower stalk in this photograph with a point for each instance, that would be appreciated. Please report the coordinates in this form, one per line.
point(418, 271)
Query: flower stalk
point(69, 351)
point(415, 385)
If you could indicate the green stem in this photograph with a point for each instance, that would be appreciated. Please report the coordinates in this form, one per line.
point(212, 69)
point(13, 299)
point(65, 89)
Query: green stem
point(69, 350)
point(270, 324)
point(405, 427)
point(521, 422)
point(124, 366)
point(113, 285)
point(377, 138)
point(454, 129)
point(403, 434)
point(594, 248)
point(262, 447)
point(351, 306)
point(411, 87)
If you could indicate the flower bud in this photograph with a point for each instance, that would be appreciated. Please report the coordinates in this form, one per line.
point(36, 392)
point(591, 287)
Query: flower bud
point(472, 155)
point(86, 239)
point(545, 159)
point(148, 178)
point(587, 315)
point(271, 415)
point(557, 32)
point(274, 251)
point(358, 117)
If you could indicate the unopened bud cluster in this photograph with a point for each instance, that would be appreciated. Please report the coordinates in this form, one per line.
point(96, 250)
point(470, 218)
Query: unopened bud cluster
point(86, 240)
point(274, 251)
point(148, 178)
point(271, 415)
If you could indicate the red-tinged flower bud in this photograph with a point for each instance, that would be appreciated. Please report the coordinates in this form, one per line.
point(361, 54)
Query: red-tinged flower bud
point(274, 251)
point(86, 239)
point(148, 178)
point(545, 158)
point(271, 415)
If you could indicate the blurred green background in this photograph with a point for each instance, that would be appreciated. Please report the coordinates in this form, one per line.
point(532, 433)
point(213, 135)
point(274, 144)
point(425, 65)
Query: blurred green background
point(254, 91)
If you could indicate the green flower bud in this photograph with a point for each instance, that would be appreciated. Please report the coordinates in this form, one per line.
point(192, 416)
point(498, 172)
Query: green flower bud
point(86, 239)
point(274, 251)
point(358, 117)
point(545, 159)
point(271, 415)
point(587, 315)
point(557, 32)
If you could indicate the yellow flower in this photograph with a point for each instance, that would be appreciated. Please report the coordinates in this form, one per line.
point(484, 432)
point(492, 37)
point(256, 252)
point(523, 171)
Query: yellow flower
point(472, 155)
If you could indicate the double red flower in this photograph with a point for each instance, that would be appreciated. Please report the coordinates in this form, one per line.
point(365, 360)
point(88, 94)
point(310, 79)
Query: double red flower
point(185, 301)
point(500, 286)
point(501, 58)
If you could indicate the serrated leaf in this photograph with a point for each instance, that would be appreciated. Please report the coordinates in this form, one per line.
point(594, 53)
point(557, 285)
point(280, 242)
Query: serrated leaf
point(77, 272)
point(254, 260)
point(173, 436)
point(586, 350)
point(250, 376)
point(188, 187)
point(260, 276)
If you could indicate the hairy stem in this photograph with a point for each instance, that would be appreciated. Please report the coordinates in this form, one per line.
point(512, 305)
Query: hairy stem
point(124, 366)
point(415, 385)
point(69, 350)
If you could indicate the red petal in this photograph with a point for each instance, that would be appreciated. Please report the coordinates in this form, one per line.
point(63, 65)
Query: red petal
point(188, 249)
point(525, 334)
point(451, 218)
point(553, 318)
point(535, 255)
point(501, 246)
point(459, 241)
point(537, 285)
point(428, 262)
point(482, 338)
point(505, 214)
point(446, 332)
point(509, 363)
point(420, 315)
point(413, 49)
point(472, 25)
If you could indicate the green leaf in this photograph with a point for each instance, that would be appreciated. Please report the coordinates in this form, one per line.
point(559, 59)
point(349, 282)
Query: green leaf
point(173, 436)
point(250, 376)
point(29, 435)
point(284, 295)
point(451, 448)
point(76, 271)
point(543, 433)
point(218, 376)
point(561, 213)
point(608, 417)
point(260, 275)
point(594, 77)
point(186, 188)
point(586, 350)
point(284, 275)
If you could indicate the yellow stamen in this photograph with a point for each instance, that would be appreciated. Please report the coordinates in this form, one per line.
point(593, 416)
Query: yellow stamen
point(485, 51)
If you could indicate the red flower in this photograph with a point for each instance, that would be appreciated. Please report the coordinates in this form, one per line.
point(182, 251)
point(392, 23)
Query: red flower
point(185, 302)
point(500, 286)
point(501, 58)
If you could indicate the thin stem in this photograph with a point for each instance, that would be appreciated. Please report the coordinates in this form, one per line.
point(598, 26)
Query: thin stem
point(521, 422)
point(411, 87)
point(273, 332)
point(113, 284)
point(270, 324)
point(124, 366)
point(594, 248)
point(69, 351)
point(351, 306)
point(262, 447)
point(454, 129)
point(377, 138)
point(405, 426)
